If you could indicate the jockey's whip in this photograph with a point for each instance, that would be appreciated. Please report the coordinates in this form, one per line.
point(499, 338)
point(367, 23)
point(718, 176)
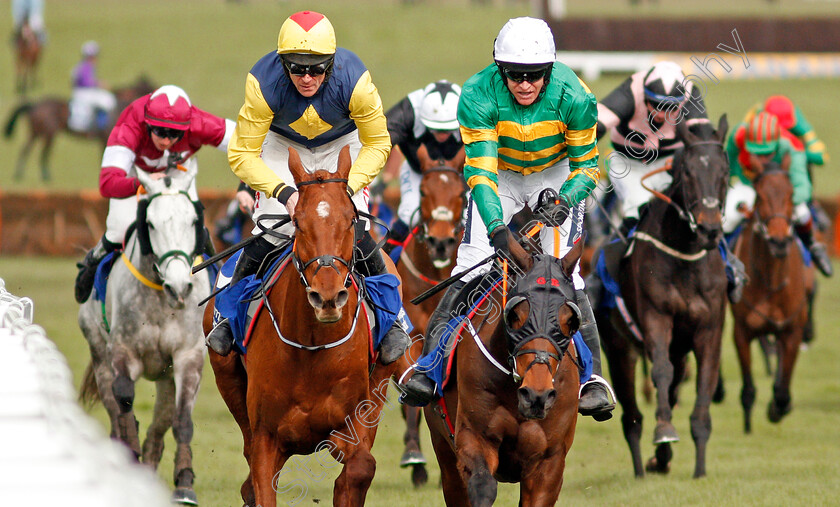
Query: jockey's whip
point(224, 253)
point(449, 281)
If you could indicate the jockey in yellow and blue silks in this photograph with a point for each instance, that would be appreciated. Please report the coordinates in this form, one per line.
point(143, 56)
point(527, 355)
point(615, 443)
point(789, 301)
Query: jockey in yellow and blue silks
point(528, 124)
point(316, 98)
point(762, 137)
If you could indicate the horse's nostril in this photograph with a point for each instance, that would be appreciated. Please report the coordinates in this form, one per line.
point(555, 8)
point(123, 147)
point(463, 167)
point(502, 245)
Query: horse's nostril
point(341, 298)
point(315, 299)
point(526, 395)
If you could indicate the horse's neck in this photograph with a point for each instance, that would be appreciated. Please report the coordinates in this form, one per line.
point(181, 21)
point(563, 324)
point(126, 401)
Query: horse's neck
point(665, 224)
point(143, 263)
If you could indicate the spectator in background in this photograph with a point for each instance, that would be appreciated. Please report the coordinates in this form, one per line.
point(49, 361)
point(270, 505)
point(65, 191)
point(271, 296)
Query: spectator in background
point(91, 104)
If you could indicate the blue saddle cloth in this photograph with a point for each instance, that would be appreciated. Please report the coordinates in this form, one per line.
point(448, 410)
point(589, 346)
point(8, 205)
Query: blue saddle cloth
point(103, 270)
point(233, 302)
point(437, 365)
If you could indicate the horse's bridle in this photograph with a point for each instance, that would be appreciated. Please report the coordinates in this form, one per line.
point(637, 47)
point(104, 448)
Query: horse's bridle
point(326, 260)
point(760, 224)
point(686, 214)
point(159, 265)
point(423, 232)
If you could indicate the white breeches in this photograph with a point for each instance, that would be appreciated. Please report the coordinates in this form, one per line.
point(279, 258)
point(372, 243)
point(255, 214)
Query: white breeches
point(626, 177)
point(408, 211)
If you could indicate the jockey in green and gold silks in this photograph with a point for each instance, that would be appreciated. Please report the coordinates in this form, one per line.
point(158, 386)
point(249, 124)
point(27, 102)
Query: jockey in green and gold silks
point(528, 124)
point(501, 135)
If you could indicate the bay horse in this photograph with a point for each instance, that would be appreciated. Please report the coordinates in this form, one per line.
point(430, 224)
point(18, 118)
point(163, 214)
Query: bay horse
point(776, 300)
point(48, 117)
point(673, 283)
point(149, 325)
point(428, 258)
point(27, 53)
point(304, 384)
point(514, 423)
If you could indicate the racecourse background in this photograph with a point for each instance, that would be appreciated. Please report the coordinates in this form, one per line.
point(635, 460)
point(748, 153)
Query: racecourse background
point(208, 47)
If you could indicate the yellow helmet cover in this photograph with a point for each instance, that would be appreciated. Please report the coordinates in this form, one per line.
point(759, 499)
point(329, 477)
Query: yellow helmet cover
point(306, 32)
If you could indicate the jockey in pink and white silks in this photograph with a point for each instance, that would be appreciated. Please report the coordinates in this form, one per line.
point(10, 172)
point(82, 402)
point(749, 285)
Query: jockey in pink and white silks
point(528, 124)
point(316, 98)
point(155, 134)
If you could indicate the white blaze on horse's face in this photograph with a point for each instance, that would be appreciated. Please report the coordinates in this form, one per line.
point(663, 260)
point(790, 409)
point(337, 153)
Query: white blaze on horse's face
point(323, 209)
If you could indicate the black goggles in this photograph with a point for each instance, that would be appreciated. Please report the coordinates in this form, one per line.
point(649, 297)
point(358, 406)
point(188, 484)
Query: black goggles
point(166, 132)
point(532, 76)
point(314, 70)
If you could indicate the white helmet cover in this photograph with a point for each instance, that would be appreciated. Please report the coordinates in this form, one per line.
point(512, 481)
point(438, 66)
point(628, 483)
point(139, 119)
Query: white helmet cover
point(439, 109)
point(525, 41)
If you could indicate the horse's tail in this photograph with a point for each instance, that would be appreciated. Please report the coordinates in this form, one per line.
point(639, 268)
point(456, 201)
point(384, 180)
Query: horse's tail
point(89, 392)
point(10, 125)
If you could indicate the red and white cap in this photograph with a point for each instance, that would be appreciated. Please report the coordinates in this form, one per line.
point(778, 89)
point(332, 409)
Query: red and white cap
point(169, 107)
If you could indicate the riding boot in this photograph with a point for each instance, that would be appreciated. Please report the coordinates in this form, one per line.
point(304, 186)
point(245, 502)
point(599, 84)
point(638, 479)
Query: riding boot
point(817, 249)
point(595, 393)
point(220, 338)
point(396, 340)
point(736, 274)
point(87, 268)
point(396, 240)
point(419, 390)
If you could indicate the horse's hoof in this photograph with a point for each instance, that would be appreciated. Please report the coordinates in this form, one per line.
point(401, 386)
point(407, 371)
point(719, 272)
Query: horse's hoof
point(184, 496)
point(665, 433)
point(411, 458)
point(775, 413)
point(653, 466)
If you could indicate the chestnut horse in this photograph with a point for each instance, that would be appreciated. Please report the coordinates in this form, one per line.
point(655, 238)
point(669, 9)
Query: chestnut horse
point(27, 53)
point(428, 258)
point(48, 116)
point(781, 286)
point(516, 424)
point(673, 283)
point(304, 386)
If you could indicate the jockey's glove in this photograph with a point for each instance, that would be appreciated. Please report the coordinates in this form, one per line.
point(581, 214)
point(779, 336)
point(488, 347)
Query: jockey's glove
point(499, 239)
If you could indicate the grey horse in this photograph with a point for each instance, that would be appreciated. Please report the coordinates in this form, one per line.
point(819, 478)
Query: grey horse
point(150, 326)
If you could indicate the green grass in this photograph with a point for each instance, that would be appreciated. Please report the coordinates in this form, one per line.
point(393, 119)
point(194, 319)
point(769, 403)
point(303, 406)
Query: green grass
point(794, 463)
point(207, 47)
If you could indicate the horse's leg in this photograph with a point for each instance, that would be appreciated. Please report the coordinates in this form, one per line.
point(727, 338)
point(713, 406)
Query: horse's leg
point(454, 487)
point(265, 461)
point(742, 345)
point(622, 358)
point(232, 382)
point(186, 366)
point(658, 330)
point(707, 352)
point(787, 344)
point(541, 484)
point(161, 421)
point(20, 167)
point(477, 462)
point(352, 484)
point(45, 157)
point(411, 438)
point(126, 372)
point(104, 382)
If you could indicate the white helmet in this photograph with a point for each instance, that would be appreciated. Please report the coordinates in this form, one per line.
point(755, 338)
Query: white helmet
point(525, 41)
point(90, 48)
point(439, 109)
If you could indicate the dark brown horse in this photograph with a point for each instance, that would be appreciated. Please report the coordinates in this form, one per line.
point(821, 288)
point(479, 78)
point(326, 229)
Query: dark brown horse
point(673, 283)
point(776, 299)
point(27, 53)
point(428, 258)
point(511, 399)
point(304, 385)
point(48, 117)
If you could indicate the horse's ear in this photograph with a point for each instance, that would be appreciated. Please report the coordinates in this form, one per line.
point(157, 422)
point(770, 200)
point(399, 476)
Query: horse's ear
point(146, 180)
point(344, 162)
point(570, 260)
point(786, 162)
point(723, 127)
point(188, 177)
point(685, 134)
point(424, 158)
point(296, 166)
point(459, 159)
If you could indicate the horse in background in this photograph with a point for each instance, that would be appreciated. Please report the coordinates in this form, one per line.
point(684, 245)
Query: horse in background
point(149, 325)
point(673, 284)
point(427, 258)
point(511, 425)
point(27, 53)
point(780, 291)
point(48, 117)
point(305, 384)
